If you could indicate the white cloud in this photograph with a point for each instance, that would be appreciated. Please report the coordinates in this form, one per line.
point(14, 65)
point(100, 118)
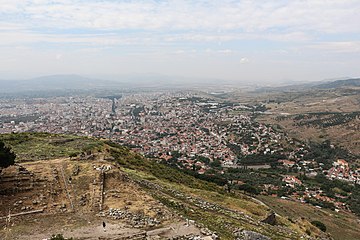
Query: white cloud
point(244, 60)
point(173, 35)
point(337, 47)
point(141, 22)
point(10, 38)
point(247, 16)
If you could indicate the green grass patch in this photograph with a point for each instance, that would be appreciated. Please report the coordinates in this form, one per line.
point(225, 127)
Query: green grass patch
point(40, 146)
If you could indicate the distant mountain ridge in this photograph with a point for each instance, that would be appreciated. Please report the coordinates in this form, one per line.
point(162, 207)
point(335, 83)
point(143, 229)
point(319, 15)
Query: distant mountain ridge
point(76, 82)
point(56, 82)
point(352, 82)
point(80, 83)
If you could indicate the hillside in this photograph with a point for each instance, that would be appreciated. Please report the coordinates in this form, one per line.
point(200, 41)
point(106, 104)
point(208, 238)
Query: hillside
point(308, 86)
point(317, 114)
point(70, 185)
point(352, 82)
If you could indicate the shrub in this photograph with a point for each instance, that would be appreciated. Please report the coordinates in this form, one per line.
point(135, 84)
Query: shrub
point(7, 157)
point(59, 237)
point(319, 225)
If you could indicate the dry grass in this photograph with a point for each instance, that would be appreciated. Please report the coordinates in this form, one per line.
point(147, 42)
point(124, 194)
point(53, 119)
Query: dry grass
point(341, 226)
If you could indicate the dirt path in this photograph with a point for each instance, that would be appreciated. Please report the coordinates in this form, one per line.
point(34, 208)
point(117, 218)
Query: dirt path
point(116, 230)
point(90, 232)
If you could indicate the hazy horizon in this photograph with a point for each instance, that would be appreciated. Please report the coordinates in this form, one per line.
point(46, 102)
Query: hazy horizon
point(239, 41)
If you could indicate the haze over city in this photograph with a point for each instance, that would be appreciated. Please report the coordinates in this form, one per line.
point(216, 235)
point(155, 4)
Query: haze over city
point(241, 41)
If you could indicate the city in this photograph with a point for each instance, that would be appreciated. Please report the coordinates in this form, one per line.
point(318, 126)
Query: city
point(190, 130)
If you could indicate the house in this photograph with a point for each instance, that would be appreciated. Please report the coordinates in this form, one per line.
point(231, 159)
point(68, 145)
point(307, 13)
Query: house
point(287, 163)
point(291, 181)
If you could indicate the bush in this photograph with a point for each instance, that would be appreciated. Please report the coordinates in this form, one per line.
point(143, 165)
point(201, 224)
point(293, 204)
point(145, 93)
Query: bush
point(7, 157)
point(319, 225)
point(249, 189)
point(59, 237)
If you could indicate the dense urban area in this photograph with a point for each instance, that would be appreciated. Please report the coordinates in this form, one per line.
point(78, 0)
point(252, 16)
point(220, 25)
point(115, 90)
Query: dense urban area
point(207, 137)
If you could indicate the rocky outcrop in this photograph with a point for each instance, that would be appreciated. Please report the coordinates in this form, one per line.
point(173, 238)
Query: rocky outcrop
point(271, 219)
point(250, 235)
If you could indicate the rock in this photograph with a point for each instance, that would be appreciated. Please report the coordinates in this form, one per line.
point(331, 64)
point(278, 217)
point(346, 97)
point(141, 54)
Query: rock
point(214, 236)
point(250, 235)
point(207, 238)
point(271, 219)
point(137, 220)
point(206, 231)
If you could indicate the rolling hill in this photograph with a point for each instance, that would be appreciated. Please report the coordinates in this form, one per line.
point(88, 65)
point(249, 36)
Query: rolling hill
point(352, 82)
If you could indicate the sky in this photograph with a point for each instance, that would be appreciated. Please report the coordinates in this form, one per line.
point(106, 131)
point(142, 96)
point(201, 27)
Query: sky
point(242, 41)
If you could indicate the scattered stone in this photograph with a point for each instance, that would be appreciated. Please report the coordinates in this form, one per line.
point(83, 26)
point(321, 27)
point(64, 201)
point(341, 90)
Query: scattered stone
point(103, 168)
point(137, 220)
point(206, 231)
point(250, 235)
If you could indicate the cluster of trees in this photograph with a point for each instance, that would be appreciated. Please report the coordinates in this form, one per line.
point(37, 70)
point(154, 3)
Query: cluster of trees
point(320, 203)
point(326, 153)
point(257, 159)
point(333, 119)
point(260, 108)
point(354, 200)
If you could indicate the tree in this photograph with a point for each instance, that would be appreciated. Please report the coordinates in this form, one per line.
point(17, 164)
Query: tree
point(249, 189)
point(216, 164)
point(7, 157)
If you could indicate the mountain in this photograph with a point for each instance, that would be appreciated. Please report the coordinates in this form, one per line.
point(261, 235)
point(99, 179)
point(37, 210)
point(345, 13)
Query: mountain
point(352, 82)
point(55, 83)
point(325, 84)
point(76, 185)
point(128, 82)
